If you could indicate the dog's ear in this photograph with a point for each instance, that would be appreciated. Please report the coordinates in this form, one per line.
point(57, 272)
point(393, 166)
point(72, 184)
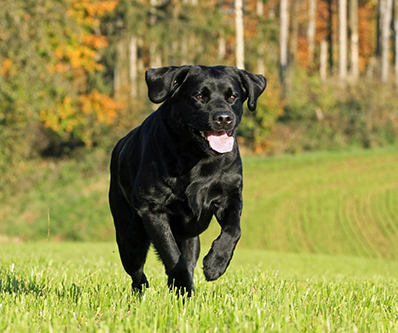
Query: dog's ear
point(254, 85)
point(163, 81)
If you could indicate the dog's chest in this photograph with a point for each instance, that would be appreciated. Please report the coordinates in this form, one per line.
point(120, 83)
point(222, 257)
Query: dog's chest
point(196, 196)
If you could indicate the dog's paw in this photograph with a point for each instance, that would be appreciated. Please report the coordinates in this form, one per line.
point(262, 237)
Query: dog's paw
point(181, 290)
point(214, 266)
point(181, 281)
point(137, 287)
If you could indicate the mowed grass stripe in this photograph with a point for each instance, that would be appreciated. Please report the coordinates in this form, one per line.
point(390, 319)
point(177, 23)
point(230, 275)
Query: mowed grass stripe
point(364, 225)
point(351, 222)
point(387, 206)
point(381, 227)
point(343, 203)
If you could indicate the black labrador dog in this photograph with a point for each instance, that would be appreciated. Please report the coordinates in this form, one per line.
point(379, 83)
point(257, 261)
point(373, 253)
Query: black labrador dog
point(170, 175)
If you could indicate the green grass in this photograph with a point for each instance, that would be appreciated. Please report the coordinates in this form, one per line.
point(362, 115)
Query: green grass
point(73, 287)
point(317, 254)
point(70, 198)
point(332, 203)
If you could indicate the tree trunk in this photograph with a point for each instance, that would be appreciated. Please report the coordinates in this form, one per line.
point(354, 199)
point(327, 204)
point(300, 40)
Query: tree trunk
point(260, 60)
point(155, 58)
point(133, 66)
point(323, 60)
point(284, 39)
point(120, 72)
point(353, 17)
point(142, 89)
point(240, 45)
point(342, 39)
point(259, 8)
point(385, 17)
point(184, 49)
point(222, 47)
point(295, 32)
point(372, 64)
point(152, 12)
point(330, 35)
point(379, 28)
point(396, 40)
point(311, 30)
point(116, 73)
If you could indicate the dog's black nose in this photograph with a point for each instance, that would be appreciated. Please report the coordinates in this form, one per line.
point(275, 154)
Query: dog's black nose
point(223, 119)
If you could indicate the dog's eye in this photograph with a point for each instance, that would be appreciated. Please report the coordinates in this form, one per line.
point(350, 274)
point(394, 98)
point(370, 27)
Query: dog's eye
point(232, 98)
point(199, 97)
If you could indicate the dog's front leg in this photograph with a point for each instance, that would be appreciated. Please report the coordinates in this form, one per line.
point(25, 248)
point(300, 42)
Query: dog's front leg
point(217, 260)
point(158, 227)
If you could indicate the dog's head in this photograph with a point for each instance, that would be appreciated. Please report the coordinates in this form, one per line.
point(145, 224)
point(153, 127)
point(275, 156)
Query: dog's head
point(206, 101)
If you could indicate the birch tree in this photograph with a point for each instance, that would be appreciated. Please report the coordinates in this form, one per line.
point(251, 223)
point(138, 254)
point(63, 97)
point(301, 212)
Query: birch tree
point(294, 30)
point(119, 80)
point(342, 39)
point(311, 30)
point(396, 39)
point(284, 38)
point(353, 23)
point(259, 8)
point(133, 66)
point(385, 21)
point(222, 47)
point(323, 60)
point(240, 46)
point(330, 35)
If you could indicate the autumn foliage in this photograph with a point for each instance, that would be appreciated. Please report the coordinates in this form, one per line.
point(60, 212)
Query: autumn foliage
point(66, 53)
point(75, 58)
point(72, 73)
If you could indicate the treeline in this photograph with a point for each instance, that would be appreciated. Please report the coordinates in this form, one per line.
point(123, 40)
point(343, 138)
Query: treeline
point(71, 71)
point(52, 94)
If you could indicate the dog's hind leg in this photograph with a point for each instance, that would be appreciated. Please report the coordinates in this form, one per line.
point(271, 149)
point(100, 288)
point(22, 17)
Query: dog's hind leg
point(132, 240)
point(190, 249)
point(133, 249)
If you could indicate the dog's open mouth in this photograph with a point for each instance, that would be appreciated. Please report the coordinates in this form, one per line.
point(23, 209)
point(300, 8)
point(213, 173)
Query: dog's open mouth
point(220, 141)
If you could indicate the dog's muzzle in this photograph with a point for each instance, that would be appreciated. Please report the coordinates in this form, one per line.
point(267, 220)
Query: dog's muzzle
point(224, 121)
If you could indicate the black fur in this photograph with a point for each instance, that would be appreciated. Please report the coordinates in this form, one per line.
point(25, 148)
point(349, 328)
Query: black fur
point(166, 180)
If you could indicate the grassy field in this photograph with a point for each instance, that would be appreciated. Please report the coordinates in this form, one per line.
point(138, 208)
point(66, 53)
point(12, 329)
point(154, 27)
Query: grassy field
point(81, 287)
point(318, 254)
point(330, 203)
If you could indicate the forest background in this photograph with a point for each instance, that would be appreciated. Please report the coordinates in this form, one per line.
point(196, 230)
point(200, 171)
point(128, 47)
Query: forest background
point(72, 73)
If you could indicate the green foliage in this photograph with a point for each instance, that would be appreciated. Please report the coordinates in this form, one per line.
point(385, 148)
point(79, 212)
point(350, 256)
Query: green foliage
point(25, 86)
point(47, 51)
point(82, 287)
point(335, 116)
point(257, 126)
point(58, 76)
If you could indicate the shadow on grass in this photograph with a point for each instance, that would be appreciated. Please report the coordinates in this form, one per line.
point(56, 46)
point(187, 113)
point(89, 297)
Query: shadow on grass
point(14, 283)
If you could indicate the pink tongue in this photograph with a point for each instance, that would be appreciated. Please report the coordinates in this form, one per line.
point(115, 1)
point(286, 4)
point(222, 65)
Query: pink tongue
point(220, 143)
